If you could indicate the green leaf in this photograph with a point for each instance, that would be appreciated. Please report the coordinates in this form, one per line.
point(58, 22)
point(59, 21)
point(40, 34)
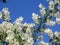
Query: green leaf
point(56, 10)
point(51, 39)
point(50, 17)
point(0, 43)
point(38, 28)
point(50, 11)
point(56, 4)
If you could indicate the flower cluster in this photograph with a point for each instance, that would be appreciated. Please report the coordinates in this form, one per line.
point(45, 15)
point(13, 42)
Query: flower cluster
point(46, 19)
point(18, 33)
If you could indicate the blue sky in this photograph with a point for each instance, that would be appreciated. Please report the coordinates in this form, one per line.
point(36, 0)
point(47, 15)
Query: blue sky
point(24, 8)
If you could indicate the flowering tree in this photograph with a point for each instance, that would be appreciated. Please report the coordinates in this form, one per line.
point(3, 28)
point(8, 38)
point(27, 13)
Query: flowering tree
point(18, 33)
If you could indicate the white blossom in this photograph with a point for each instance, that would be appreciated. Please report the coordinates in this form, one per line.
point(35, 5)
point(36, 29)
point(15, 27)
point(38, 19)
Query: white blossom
point(5, 10)
point(19, 20)
point(30, 40)
point(16, 43)
point(57, 1)
point(7, 25)
point(57, 14)
point(43, 43)
point(9, 38)
point(49, 32)
point(57, 34)
point(6, 14)
point(58, 20)
point(41, 6)
point(35, 18)
point(42, 11)
point(40, 37)
point(50, 23)
point(51, 5)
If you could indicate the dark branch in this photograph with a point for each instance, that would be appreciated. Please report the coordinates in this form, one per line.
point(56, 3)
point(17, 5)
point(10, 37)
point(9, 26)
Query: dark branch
point(4, 1)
